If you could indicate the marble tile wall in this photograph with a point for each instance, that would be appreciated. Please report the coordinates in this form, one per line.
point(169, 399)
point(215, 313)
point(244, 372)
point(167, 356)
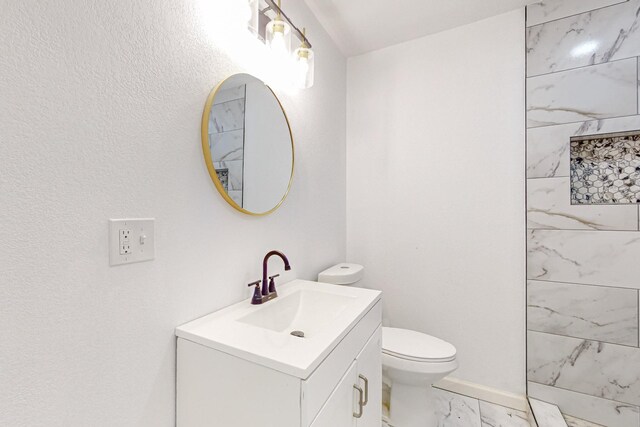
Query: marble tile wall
point(596, 37)
point(592, 312)
point(596, 92)
point(609, 371)
point(226, 137)
point(600, 411)
point(607, 258)
point(550, 10)
point(583, 261)
point(548, 146)
point(549, 207)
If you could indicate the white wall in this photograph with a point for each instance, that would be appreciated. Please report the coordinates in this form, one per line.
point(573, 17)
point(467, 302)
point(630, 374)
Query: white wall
point(435, 190)
point(100, 108)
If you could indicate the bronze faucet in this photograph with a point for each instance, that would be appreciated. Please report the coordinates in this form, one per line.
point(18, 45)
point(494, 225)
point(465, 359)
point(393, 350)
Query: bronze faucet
point(268, 287)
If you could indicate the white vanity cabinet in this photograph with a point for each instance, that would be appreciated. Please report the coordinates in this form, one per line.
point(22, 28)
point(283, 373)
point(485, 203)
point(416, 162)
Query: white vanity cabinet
point(357, 399)
point(342, 388)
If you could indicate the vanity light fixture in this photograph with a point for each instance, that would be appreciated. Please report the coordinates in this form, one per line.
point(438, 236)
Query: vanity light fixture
point(304, 64)
point(275, 29)
point(253, 15)
point(279, 36)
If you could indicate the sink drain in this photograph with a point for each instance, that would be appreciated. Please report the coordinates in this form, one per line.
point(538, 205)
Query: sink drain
point(298, 334)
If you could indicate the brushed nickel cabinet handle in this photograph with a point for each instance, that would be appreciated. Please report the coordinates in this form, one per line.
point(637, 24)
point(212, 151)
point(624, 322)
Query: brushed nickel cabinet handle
point(366, 388)
point(360, 403)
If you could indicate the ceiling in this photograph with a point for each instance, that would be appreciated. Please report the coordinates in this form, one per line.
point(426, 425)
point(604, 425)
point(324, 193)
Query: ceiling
point(360, 26)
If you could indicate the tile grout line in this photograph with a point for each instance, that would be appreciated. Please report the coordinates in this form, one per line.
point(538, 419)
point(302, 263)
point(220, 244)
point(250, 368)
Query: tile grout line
point(583, 339)
point(629, 230)
point(585, 229)
point(581, 121)
point(582, 284)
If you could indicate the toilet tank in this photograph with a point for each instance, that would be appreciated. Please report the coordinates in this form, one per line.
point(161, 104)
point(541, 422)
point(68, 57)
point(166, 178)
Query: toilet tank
point(342, 274)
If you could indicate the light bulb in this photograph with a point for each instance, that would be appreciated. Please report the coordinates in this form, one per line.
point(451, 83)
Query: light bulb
point(279, 39)
point(278, 45)
point(304, 67)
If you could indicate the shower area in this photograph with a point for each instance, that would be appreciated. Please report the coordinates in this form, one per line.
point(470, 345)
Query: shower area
point(583, 219)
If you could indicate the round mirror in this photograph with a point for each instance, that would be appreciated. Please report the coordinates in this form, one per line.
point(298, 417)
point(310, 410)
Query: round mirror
point(247, 144)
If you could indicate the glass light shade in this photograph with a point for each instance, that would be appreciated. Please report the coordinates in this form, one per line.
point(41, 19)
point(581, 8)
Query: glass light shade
point(279, 38)
point(304, 67)
point(253, 15)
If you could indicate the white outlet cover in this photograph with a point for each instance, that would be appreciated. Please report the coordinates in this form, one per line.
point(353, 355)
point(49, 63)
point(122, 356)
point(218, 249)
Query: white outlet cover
point(142, 248)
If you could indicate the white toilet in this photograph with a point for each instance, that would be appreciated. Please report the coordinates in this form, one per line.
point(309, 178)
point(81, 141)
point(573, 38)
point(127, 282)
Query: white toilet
point(411, 361)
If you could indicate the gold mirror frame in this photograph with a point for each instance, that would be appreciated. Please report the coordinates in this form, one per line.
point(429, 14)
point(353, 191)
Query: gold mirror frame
point(208, 157)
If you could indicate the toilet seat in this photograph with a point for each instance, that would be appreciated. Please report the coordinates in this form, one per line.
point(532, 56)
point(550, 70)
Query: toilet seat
point(415, 346)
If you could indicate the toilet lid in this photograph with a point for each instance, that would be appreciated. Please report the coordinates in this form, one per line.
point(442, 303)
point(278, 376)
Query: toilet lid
point(412, 345)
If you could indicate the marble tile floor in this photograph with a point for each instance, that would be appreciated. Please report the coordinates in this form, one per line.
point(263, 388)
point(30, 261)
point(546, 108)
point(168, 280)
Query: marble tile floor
point(546, 414)
point(455, 410)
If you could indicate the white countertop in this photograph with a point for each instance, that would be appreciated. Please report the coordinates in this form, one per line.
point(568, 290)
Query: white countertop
point(225, 330)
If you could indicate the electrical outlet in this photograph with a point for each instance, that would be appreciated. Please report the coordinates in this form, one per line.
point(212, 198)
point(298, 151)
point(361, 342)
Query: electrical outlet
point(125, 241)
point(125, 234)
point(131, 240)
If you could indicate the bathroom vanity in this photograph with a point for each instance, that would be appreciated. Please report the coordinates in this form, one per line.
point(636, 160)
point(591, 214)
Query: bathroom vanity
point(249, 365)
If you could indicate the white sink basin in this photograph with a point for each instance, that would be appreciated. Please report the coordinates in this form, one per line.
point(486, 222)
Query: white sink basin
point(262, 333)
point(305, 310)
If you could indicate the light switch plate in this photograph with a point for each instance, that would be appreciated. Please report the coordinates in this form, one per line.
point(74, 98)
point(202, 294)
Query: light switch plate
point(131, 240)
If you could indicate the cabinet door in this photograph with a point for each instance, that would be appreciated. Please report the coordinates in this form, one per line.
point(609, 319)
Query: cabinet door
point(369, 367)
point(339, 408)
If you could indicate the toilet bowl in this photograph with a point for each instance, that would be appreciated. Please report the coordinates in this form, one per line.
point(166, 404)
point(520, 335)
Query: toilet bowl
point(411, 361)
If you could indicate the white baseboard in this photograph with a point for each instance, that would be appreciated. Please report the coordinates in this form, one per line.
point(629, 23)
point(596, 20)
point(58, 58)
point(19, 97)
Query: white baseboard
point(488, 394)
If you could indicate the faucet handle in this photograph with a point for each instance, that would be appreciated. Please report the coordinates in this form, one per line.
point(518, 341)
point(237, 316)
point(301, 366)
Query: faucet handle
point(272, 283)
point(257, 294)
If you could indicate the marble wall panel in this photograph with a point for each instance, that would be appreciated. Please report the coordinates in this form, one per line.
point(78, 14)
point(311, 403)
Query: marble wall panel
point(549, 207)
point(227, 146)
point(583, 79)
point(596, 37)
point(597, 92)
point(548, 146)
point(227, 116)
point(607, 258)
point(601, 411)
point(583, 311)
point(598, 369)
point(549, 10)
